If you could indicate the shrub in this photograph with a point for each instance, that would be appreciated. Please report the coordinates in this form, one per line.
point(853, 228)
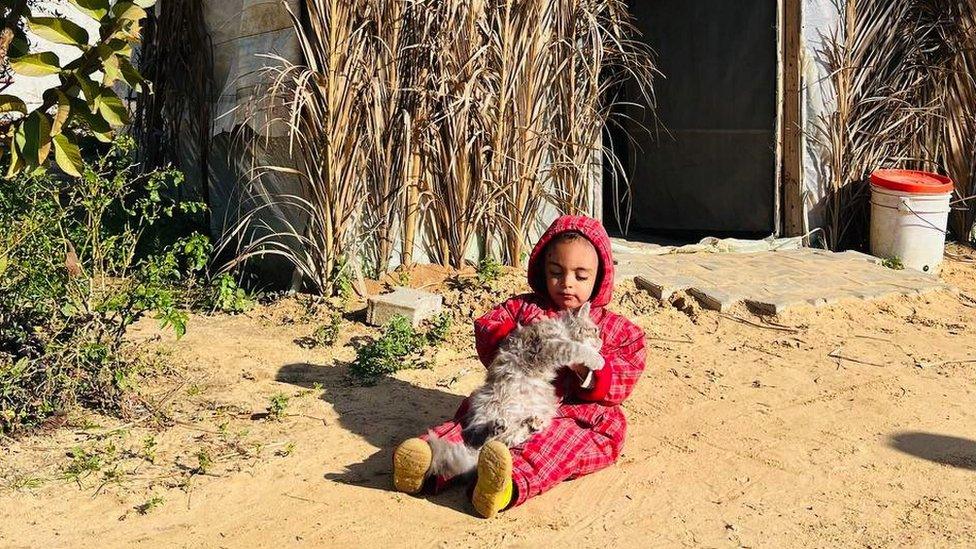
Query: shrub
point(75, 272)
point(396, 349)
point(399, 347)
point(489, 269)
point(226, 296)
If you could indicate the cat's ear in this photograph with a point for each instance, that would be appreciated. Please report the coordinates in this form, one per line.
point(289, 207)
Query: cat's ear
point(584, 311)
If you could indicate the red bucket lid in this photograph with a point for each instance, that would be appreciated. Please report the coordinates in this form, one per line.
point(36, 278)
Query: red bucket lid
point(912, 181)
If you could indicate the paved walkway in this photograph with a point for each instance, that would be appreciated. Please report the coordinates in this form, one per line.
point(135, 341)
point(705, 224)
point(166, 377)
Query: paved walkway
point(770, 282)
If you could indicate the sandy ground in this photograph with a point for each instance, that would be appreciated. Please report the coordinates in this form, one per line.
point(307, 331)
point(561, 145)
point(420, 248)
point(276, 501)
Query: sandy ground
point(847, 426)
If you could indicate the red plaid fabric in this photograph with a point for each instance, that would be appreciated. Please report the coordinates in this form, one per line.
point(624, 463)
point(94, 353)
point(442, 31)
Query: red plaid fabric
point(588, 433)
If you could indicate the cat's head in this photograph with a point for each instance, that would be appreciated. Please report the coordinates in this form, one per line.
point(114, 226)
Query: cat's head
point(581, 327)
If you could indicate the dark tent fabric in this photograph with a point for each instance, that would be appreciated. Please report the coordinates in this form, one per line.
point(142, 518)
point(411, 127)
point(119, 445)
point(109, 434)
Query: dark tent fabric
point(712, 168)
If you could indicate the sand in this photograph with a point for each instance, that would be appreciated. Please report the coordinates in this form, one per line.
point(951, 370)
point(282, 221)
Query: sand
point(846, 426)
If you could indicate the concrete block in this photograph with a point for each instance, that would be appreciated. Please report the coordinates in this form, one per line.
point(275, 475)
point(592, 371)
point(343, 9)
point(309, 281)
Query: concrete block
point(415, 305)
point(662, 288)
point(715, 299)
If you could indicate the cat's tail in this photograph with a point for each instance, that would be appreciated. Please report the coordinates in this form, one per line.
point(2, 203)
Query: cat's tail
point(449, 459)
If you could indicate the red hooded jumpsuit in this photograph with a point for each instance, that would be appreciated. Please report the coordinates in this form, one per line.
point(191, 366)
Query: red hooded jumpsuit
point(588, 432)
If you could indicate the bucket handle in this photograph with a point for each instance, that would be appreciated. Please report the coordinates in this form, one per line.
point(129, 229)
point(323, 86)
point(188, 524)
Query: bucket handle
point(906, 205)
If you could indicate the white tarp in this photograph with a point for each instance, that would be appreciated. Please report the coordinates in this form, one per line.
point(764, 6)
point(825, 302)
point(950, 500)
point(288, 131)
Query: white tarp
point(243, 31)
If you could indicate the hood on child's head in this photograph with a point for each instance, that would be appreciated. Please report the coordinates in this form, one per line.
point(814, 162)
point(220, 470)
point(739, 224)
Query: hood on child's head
point(593, 230)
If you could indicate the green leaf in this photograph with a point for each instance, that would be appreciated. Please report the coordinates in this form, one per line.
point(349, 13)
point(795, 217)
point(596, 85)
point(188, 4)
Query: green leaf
point(96, 124)
point(16, 163)
point(131, 75)
point(59, 30)
point(128, 11)
point(61, 115)
point(90, 89)
point(12, 103)
point(111, 71)
point(96, 9)
point(145, 3)
point(36, 64)
point(19, 47)
point(68, 156)
point(119, 47)
point(111, 108)
point(37, 138)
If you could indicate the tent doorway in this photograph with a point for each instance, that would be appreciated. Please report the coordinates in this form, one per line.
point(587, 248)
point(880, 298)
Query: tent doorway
point(713, 167)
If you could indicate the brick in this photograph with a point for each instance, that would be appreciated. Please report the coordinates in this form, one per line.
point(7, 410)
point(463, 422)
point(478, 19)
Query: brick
point(415, 305)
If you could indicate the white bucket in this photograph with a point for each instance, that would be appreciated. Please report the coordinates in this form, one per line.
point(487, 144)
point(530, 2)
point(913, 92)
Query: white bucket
point(910, 227)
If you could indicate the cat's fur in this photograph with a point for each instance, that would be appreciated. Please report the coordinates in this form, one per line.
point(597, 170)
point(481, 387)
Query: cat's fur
point(518, 398)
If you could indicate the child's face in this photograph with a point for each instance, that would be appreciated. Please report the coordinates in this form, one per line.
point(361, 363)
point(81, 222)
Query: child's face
point(571, 270)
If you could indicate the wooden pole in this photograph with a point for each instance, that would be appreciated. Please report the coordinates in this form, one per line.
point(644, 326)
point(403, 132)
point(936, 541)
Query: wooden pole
point(792, 119)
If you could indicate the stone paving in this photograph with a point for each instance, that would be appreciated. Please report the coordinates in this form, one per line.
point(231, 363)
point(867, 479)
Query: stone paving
point(773, 281)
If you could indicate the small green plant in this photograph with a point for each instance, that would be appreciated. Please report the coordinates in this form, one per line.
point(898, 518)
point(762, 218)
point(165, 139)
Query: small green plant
point(342, 280)
point(226, 296)
point(149, 446)
point(26, 482)
point(403, 276)
point(288, 450)
point(327, 334)
point(489, 269)
point(278, 406)
point(149, 505)
point(193, 390)
point(83, 463)
point(439, 327)
point(893, 262)
point(397, 348)
point(204, 462)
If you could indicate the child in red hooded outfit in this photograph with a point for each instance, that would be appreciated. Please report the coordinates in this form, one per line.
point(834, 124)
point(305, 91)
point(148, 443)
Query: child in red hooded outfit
point(570, 265)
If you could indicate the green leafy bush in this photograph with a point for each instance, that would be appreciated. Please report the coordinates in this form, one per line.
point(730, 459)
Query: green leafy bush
point(399, 347)
point(74, 275)
point(396, 349)
point(84, 101)
point(439, 326)
point(489, 269)
point(226, 296)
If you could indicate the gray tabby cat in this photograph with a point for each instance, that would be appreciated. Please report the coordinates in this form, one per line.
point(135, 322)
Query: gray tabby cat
point(518, 398)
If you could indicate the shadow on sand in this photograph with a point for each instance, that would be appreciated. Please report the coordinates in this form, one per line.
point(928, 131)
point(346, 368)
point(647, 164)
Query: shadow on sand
point(384, 415)
point(944, 449)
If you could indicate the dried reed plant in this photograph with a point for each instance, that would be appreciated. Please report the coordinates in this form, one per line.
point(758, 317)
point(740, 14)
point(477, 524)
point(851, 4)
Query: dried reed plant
point(598, 52)
point(445, 114)
point(958, 31)
point(889, 63)
point(521, 70)
point(318, 104)
point(451, 129)
point(387, 125)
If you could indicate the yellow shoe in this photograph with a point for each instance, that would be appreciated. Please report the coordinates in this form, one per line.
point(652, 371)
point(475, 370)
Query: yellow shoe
point(411, 460)
point(493, 491)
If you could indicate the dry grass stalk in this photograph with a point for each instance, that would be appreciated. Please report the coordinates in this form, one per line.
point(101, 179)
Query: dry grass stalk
point(318, 103)
point(597, 51)
point(889, 64)
point(445, 113)
point(452, 132)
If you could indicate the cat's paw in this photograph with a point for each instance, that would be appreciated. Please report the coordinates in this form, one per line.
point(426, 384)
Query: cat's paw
point(535, 423)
